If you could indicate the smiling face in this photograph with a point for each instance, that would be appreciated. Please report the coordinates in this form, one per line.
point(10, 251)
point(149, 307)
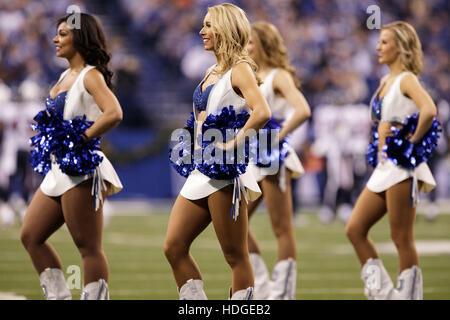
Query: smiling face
point(387, 48)
point(64, 41)
point(207, 33)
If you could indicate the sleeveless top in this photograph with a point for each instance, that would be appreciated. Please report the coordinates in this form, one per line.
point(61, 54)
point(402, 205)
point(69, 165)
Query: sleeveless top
point(395, 106)
point(198, 185)
point(281, 111)
point(77, 102)
point(222, 95)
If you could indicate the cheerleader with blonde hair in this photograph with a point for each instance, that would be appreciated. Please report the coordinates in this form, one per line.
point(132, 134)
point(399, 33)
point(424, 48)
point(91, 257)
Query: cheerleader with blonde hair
point(228, 98)
point(289, 110)
point(400, 147)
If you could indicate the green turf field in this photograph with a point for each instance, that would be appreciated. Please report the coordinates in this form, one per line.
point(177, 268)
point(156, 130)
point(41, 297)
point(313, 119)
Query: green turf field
point(327, 266)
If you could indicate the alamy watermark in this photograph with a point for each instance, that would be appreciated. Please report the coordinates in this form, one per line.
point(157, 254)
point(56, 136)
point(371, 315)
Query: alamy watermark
point(74, 20)
point(74, 279)
point(373, 281)
point(263, 147)
point(374, 20)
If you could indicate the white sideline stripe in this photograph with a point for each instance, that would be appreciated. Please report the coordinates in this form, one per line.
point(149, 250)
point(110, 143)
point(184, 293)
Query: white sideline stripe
point(424, 248)
point(218, 291)
point(11, 296)
point(145, 207)
point(142, 292)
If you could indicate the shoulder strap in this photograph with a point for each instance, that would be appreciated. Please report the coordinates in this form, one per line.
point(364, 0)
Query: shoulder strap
point(85, 70)
point(401, 75)
point(208, 72)
point(210, 69)
point(271, 75)
point(399, 79)
point(82, 74)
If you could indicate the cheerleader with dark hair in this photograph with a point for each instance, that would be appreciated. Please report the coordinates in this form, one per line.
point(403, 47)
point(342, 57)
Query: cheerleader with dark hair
point(79, 109)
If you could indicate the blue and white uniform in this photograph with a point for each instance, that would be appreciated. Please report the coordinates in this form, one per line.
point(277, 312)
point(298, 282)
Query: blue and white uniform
point(213, 100)
point(282, 111)
point(395, 107)
point(77, 102)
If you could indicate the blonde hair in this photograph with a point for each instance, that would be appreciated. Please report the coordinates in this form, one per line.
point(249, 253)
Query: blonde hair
point(231, 31)
point(271, 49)
point(409, 45)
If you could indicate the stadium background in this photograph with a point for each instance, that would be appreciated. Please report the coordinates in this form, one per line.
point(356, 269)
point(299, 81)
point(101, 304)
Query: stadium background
point(158, 59)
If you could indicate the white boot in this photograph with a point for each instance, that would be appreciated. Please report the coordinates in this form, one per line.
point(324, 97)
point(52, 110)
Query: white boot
point(262, 281)
point(409, 285)
point(377, 282)
point(54, 284)
point(244, 294)
point(97, 290)
point(192, 290)
point(284, 280)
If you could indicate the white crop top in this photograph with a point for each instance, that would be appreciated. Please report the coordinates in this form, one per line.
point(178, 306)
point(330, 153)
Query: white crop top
point(78, 101)
point(395, 107)
point(223, 95)
point(281, 109)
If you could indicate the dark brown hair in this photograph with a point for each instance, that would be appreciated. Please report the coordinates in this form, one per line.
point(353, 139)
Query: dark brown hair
point(89, 41)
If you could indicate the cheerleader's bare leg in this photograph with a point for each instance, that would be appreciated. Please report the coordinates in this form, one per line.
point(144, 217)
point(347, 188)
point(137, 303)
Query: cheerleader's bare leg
point(232, 237)
point(401, 219)
point(260, 271)
point(279, 205)
point(187, 220)
point(368, 210)
point(85, 226)
point(252, 243)
point(44, 216)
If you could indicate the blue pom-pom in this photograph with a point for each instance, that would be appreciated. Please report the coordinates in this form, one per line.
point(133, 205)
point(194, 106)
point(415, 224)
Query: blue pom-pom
point(226, 119)
point(185, 169)
point(372, 148)
point(62, 138)
point(267, 157)
point(405, 154)
point(74, 156)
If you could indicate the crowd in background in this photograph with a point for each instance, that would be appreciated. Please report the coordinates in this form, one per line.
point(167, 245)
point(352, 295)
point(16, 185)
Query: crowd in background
point(329, 43)
point(158, 56)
